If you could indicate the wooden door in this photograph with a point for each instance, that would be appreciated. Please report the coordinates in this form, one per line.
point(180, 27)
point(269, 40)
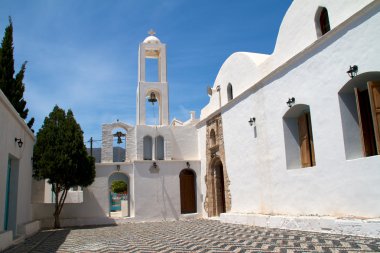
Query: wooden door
point(187, 188)
point(374, 96)
point(306, 141)
point(220, 204)
point(365, 122)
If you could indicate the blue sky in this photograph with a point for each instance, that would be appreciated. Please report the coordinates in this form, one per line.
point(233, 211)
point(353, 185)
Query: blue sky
point(82, 54)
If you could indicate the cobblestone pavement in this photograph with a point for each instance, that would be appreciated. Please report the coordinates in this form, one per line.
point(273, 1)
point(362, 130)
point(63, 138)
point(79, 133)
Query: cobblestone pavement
point(191, 236)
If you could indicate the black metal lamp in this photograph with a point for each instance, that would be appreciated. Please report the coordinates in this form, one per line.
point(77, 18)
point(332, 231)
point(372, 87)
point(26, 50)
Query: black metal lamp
point(291, 101)
point(19, 142)
point(252, 121)
point(188, 165)
point(353, 71)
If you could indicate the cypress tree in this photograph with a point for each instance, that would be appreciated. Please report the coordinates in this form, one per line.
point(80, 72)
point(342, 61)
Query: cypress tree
point(60, 156)
point(12, 87)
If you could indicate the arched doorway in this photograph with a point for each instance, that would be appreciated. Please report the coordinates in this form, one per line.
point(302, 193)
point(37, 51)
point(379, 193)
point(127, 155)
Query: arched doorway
point(187, 181)
point(118, 185)
point(218, 191)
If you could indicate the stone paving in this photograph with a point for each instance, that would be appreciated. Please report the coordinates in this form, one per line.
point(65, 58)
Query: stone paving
point(190, 236)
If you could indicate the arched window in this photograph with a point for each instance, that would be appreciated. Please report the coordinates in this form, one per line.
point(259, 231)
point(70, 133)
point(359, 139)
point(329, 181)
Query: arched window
point(147, 143)
point(298, 133)
point(230, 94)
point(212, 138)
point(322, 21)
point(359, 101)
point(160, 150)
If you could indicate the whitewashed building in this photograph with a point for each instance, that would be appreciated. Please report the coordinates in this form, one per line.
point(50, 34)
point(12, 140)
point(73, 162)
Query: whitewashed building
point(16, 150)
point(290, 140)
point(287, 140)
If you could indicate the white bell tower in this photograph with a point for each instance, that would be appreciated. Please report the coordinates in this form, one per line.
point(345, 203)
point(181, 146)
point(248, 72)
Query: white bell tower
point(151, 47)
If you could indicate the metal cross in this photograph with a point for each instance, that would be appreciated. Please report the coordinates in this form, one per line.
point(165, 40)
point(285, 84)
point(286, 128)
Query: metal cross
point(151, 32)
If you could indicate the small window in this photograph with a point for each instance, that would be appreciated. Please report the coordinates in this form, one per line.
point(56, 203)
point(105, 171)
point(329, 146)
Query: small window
point(322, 21)
point(298, 133)
point(147, 143)
point(229, 92)
point(160, 148)
point(212, 138)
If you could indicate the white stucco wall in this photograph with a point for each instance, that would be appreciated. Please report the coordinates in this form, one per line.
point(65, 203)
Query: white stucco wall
point(12, 126)
point(297, 32)
point(157, 192)
point(180, 142)
point(260, 180)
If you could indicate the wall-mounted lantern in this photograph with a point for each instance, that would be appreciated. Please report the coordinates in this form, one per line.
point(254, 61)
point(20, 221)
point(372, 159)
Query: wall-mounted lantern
point(19, 142)
point(291, 101)
point(118, 167)
point(154, 165)
point(353, 71)
point(188, 165)
point(252, 121)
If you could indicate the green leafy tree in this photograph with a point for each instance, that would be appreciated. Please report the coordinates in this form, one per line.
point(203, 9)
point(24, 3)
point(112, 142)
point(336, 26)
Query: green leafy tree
point(60, 156)
point(119, 186)
point(12, 87)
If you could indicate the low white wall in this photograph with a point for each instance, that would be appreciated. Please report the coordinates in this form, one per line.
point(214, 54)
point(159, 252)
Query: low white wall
point(153, 195)
point(357, 227)
point(95, 206)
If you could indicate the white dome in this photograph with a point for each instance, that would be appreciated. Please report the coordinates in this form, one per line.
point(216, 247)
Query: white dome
point(152, 39)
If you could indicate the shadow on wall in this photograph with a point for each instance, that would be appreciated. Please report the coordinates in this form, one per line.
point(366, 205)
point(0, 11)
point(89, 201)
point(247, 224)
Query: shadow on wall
point(90, 212)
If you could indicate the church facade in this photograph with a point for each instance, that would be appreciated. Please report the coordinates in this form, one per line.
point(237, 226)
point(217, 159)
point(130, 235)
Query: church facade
point(288, 140)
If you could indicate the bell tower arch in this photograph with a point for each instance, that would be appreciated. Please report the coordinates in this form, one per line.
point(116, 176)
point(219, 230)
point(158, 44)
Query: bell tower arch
point(152, 48)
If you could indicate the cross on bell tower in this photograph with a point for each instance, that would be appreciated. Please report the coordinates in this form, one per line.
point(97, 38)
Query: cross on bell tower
point(152, 48)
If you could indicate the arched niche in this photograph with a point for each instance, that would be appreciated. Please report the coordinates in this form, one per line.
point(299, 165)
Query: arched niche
point(298, 136)
point(160, 148)
point(360, 123)
point(147, 147)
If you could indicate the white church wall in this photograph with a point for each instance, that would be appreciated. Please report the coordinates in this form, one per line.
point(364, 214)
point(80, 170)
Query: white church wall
point(202, 154)
point(157, 191)
point(180, 142)
point(297, 32)
point(260, 180)
point(20, 178)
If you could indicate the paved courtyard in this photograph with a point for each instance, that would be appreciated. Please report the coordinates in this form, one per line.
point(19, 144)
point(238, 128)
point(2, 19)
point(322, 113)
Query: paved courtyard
point(191, 236)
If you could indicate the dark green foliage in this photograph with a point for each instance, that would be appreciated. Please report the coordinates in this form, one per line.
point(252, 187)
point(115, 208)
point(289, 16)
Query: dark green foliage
point(60, 156)
point(119, 186)
point(12, 87)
